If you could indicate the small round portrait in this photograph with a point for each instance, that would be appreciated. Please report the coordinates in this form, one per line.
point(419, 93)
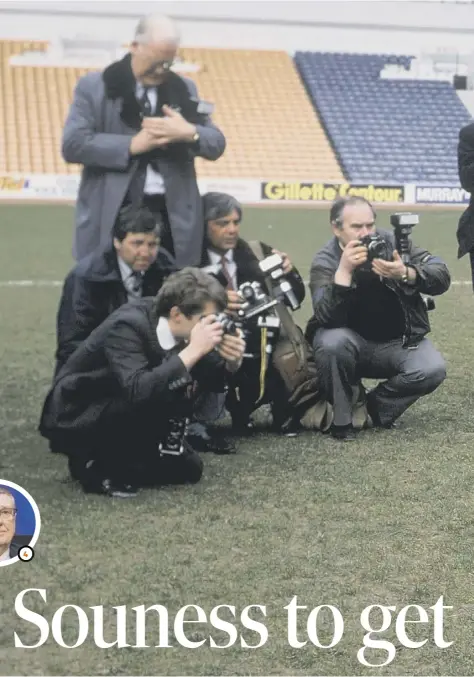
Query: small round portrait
point(20, 524)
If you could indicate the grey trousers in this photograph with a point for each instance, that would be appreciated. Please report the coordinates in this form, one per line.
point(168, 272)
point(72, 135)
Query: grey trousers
point(208, 408)
point(344, 357)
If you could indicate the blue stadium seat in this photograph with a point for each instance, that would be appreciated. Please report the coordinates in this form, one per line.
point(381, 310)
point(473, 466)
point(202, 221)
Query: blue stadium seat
point(384, 130)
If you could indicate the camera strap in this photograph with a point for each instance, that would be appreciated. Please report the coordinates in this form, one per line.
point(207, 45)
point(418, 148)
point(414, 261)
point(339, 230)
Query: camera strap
point(290, 329)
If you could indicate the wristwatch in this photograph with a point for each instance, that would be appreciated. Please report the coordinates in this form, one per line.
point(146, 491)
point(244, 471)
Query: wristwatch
point(405, 278)
point(196, 137)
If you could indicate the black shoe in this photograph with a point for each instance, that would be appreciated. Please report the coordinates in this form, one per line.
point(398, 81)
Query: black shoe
point(375, 418)
point(211, 443)
point(242, 426)
point(290, 429)
point(343, 433)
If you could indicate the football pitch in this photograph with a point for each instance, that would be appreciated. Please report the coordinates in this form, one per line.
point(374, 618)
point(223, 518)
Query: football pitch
point(385, 520)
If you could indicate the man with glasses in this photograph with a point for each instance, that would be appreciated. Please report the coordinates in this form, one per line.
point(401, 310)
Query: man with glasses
point(136, 129)
point(8, 544)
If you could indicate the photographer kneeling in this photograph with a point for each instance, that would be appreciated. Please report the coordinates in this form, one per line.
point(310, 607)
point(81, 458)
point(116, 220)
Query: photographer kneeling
point(119, 406)
point(370, 318)
point(262, 287)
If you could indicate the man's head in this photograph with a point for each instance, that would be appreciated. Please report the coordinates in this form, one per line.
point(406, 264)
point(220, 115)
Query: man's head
point(136, 236)
point(352, 218)
point(154, 49)
point(222, 217)
point(188, 295)
point(7, 518)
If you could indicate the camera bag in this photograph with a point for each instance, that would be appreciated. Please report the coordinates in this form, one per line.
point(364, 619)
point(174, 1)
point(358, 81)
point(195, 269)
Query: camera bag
point(292, 358)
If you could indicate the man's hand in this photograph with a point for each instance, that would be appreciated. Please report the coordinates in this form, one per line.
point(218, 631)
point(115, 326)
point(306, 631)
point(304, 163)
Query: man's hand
point(354, 255)
point(234, 300)
point(232, 349)
point(392, 270)
point(172, 128)
point(204, 337)
point(286, 264)
point(142, 142)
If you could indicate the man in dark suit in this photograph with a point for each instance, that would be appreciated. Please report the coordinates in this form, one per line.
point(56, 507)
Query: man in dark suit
point(131, 266)
point(136, 128)
point(120, 403)
point(10, 542)
point(226, 254)
point(465, 232)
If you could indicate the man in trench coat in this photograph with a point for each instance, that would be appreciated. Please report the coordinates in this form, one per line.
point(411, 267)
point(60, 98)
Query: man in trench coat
point(136, 129)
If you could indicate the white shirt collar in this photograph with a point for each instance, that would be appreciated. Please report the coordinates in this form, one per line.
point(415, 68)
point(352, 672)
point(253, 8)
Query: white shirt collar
point(214, 257)
point(164, 335)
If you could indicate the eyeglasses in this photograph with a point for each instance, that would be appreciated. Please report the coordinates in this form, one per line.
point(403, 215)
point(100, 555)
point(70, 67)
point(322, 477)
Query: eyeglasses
point(7, 514)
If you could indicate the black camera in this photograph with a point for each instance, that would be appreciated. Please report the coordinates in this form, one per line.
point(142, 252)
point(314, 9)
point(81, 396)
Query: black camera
point(255, 304)
point(272, 267)
point(174, 445)
point(229, 325)
point(377, 247)
point(402, 224)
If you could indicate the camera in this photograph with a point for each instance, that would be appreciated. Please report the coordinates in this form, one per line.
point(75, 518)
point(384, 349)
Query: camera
point(174, 445)
point(402, 224)
point(229, 325)
point(255, 305)
point(377, 248)
point(272, 267)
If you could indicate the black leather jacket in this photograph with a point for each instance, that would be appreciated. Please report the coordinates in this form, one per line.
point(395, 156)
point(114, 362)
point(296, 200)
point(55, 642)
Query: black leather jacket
point(331, 301)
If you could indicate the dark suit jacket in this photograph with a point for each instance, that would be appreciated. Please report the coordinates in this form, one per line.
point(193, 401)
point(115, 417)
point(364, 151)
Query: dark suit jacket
point(19, 541)
point(117, 373)
point(465, 232)
point(93, 290)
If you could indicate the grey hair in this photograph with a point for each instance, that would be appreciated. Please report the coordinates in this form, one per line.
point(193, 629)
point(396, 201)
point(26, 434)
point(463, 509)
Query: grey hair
point(219, 205)
point(157, 28)
point(7, 492)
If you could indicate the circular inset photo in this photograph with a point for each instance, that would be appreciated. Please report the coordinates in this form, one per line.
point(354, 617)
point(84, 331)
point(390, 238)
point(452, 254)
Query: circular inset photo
point(20, 524)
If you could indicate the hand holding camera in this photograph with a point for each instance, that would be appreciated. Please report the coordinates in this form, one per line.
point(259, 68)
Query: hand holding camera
point(354, 255)
point(204, 337)
point(231, 349)
point(392, 270)
point(234, 301)
point(286, 264)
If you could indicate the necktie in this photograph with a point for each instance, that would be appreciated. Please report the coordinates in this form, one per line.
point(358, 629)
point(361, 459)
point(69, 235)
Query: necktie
point(135, 283)
point(227, 275)
point(146, 103)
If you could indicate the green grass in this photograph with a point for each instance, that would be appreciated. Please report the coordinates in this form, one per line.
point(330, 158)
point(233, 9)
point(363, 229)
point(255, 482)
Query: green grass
point(385, 520)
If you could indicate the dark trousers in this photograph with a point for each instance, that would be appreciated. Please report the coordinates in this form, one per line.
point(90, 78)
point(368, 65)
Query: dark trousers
point(157, 205)
point(124, 447)
point(245, 393)
point(344, 357)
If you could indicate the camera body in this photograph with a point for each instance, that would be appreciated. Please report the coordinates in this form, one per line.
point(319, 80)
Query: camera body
point(173, 444)
point(256, 304)
point(272, 267)
point(377, 247)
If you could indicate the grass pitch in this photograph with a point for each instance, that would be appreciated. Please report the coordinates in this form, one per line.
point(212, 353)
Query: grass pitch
point(385, 520)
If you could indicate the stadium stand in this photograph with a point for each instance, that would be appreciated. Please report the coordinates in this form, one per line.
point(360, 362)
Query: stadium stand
point(271, 127)
point(384, 130)
point(33, 105)
point(269, 135)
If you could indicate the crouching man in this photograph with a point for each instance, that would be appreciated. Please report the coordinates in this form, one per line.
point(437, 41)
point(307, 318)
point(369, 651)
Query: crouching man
point(119, 405)
point(370, 319)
